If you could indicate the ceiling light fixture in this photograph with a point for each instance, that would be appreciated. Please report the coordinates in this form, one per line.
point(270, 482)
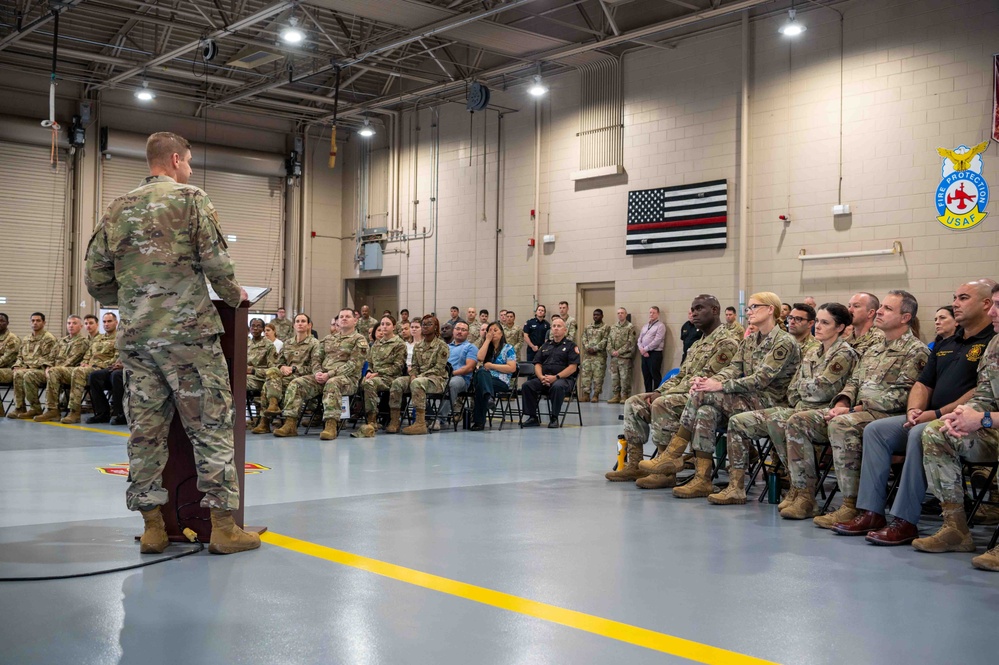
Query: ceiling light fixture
point(292, 34)
point(367, 131)
point(792, 28)
point(537, 88)
point(144, 94)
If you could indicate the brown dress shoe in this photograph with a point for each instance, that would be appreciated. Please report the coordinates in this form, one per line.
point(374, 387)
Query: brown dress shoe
point(860, 525)
point(899, 532)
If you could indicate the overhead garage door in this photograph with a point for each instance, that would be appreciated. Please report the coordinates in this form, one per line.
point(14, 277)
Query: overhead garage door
point(33, 223)
point(251, 209)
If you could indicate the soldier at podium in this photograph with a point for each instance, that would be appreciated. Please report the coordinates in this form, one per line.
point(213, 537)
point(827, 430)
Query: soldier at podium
point(149, 256)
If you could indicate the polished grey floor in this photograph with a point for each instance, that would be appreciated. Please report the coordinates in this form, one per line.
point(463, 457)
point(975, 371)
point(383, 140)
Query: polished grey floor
point(526, 512)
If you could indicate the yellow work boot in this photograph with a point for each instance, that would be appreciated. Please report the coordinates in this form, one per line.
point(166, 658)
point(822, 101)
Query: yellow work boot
point(48, 416)
point(987, 561)
point(585, 397)
point(700, 485)
point(801, 506)
point(953, 536)
point(419, 426)
point(15, 414)
point(154, 537)
point(631, 471)
point(394, 416)
point(71, 418)
point(227, 538)
point(788, 499)
point(288, 428)
point(330, 432)
point(668, 461)
point(273, 407)
point(735, 493)
point(264, 426)
point(615, 400)
point(844, 513)
point(656, 481)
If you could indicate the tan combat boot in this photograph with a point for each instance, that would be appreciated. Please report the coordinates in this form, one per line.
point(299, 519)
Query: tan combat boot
point(273, 407)
point(288, 428)
point(789, 499)
point(264, 426)
point(735, 493)
point(585, 397)
point(631, 470)
point(49, 415)
point(419, 426)
point(953, 536)
point(668, 461)
point(227, 538)
point(595, 398)
point(615, 400)
point(844, 513)
point(656, 481)
point(394, 417)
point(700, 485)
point(15, 414)
point(71, 418)
point(801, 506)
point(154, 537)
point(330, 431)
point(31, 413)
point(987, 561)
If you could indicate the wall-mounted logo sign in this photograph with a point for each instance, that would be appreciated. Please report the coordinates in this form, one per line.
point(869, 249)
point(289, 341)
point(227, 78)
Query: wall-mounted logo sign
point(963, 193)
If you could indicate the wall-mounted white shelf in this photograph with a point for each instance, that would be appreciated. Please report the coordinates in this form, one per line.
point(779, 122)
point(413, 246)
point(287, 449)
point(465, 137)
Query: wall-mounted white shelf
point(896, 248)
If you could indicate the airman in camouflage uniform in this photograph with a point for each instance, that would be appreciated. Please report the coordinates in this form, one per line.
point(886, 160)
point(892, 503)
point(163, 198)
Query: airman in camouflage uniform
point(961, 435)
point(622, 339)
point(878, 387)
point(594, 365)
point(706, 357)
point(151, 255)
point(863, 306)
point(10, 344)
point(299, 357)
point(261, 355)
point(428, 374)
point(283, 328)
point(386, 362)
point(871, 338)
point(36, 352)
point(756, 379)
point(100, 355)
point(367, 322)
point(514, 334)
point(69, 354)
point(403, 322)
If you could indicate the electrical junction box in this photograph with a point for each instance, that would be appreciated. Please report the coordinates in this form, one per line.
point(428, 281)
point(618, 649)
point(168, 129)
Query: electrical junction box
point(372, 259)
point(549, 239)
point(843, 209)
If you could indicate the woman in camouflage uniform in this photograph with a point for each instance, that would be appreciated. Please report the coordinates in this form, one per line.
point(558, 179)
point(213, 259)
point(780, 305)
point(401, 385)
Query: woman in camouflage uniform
point(299, 357)
point(386, 362)
point(428, 374)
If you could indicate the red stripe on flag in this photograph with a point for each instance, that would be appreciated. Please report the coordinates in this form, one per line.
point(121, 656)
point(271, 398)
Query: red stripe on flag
point(677, 225)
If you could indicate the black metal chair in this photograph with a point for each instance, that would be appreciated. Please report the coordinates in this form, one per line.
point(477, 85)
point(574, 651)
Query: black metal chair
point(436, 400)
point(977, 495)
point(6, 401)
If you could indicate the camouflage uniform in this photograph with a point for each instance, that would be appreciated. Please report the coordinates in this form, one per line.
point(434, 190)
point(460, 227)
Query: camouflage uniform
point(880, 383)
point(9, 346)
point(809, 344)
point(942, 453)
point(36, 353)
point(571, 327)
point(623, 338)
point(260, 357)
point(473, 332)
point(101, 354)
point(867, 340)
point(706, 357)
point(69, 354)
point(757, 378)
point(302, 357)
point(341, 356)
point(365, 325)
point(594, 365)
point(283, 328)
point(400, 326)
point(819, 377)
point(428, 374)
point(514, 337)
point(387, 359)
point(736, 329)
point(150, 255)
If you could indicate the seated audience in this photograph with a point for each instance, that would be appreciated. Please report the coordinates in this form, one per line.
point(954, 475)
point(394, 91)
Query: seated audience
point(462, 357)
point(732, 322)
point(387, 361)
point(428, 374)
point(69, 354)
point(299, 357)
point(944, 325)
point(101, 354)
point(555, 367)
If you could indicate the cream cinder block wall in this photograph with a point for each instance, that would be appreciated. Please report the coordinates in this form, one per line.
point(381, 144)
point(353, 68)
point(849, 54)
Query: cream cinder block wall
point(916, 76)
point(324, 209)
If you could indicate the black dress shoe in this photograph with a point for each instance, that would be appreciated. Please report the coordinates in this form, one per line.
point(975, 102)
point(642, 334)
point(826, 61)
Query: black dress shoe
point(553, 424)
point(119, 420)
point(98, 420)
point(477, 427)
point(531, 422)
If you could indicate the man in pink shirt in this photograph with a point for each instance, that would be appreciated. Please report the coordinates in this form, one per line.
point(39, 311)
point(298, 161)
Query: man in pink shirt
point(650, 345)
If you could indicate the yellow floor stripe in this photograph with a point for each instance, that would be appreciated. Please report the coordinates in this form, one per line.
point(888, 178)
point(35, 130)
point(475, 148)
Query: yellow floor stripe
point(89, 429)
point(676, 646)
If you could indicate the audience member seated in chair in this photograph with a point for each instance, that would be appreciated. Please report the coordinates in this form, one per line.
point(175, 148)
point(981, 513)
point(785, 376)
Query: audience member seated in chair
point(341, 355)
point(101, 354)
point(111, 379)
point(662, 408)
point(69, 354)
point(37, 352)
point(555, 366)
point(10, 344)
point(428, 374)
point(261, 355)
point(948, 380)
point(386, 363)
point(757, 378)
point(299, 357)
point(461, 355)
point(822, 374)
point(497, 365)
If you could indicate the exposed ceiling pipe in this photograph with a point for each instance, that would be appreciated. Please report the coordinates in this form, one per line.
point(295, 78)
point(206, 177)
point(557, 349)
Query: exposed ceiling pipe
point(25, 30)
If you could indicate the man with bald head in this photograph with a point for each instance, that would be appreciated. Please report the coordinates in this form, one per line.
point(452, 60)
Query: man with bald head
point(948, 380)
point(864, 308)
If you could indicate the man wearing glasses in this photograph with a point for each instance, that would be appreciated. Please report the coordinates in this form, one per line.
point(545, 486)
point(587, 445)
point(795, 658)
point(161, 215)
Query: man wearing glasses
point(799, 324)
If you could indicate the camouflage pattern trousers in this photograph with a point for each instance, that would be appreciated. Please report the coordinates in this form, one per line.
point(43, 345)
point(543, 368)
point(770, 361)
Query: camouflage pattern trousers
point(33, 381)
point(371, 386)
point(75, 378)
point(844, 434)
point(620, 369)
point(417, 387)
point(591, 374)
point(304, 388)
point(943, 455)
point(707, 412)
point(661, 419)
point(15, 377)
point(275, 385)
point(744, 428)
point(191, 380)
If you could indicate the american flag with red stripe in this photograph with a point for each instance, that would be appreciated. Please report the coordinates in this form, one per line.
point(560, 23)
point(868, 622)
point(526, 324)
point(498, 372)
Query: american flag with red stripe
point(678, 219)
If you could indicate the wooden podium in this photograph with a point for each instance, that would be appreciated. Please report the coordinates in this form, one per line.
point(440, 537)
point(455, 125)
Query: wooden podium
point(180, 478)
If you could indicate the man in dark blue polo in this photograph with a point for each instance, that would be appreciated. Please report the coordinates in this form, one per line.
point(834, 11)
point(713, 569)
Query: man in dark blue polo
point(536, 331)
point(555, 367)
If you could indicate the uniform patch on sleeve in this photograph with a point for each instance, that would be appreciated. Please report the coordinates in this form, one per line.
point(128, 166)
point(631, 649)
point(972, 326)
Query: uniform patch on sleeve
point(723, 357)
point(836, 367)
point(780, 353)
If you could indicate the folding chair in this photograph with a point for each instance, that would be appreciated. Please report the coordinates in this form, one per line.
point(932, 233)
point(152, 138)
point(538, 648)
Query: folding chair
point(505, 402)
point(5, 396)
point(310, 409)
point(461, 412)
point(436, 400)
point(978, 495)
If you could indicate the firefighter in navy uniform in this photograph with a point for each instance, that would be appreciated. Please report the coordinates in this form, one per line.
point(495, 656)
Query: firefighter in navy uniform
point(555, 366)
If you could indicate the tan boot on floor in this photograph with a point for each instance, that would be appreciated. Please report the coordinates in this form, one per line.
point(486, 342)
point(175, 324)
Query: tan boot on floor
point(71, 418)
point(419, 425)
point(668, 461)
point(584, 397)
point(631, 471)
point(987, 515)
point(273, 407)
point(953, 536)
point(987, 561)
point(801, 506)
point(15, 414)
point(595, 398)
point(288, 428)
point(154, 537)
point(31, 413)
point(844, 513)
point(656, 481)
point(227, 538)
point(789, 499)
point(394, 416)
point(700, 485)
point(330, 431)
point(615, 400)
point(50, 415)
point(367, 430)
point(264, 426)
point(735, 493)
